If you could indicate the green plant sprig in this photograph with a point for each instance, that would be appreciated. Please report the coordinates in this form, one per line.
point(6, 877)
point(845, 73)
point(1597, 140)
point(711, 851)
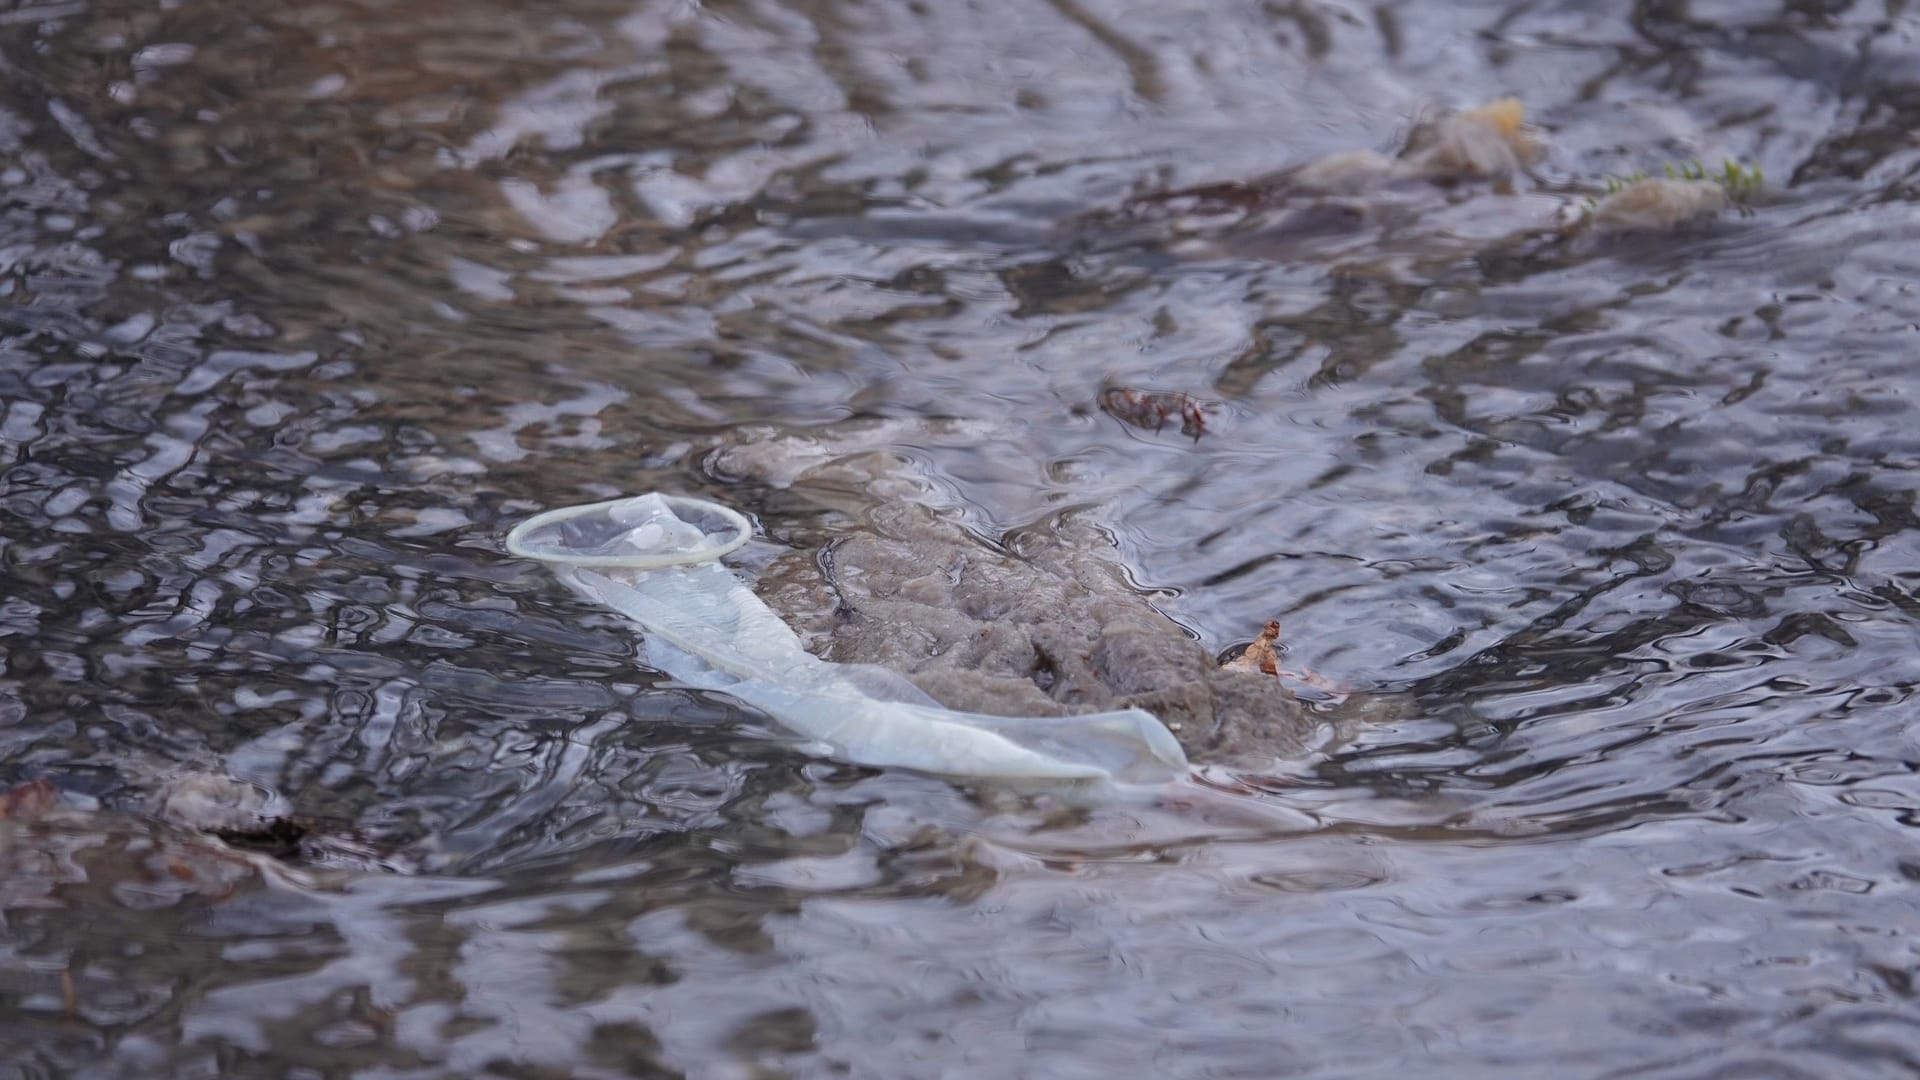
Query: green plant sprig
point(1617, 184)
point(1741, 182)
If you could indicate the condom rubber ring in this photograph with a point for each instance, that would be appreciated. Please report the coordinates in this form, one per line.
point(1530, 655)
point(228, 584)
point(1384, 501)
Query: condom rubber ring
point(741, 532)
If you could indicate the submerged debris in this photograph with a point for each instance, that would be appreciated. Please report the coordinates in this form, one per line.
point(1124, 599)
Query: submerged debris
point(1349, 172)
point(1473, 144)
point(28, 801)
point(278, 838)
point(1151, 409)
point(219, 804)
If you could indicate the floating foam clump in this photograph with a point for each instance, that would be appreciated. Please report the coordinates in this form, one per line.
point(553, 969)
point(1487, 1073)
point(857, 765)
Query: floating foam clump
point(655, 559)
point(1659, 204)
point(1491, 140)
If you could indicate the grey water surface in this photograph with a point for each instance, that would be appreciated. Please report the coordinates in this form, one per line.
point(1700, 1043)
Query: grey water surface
point(303, 305)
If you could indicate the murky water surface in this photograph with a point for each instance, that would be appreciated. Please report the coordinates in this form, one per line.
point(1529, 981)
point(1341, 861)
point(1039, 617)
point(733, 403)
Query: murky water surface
point(302, 305)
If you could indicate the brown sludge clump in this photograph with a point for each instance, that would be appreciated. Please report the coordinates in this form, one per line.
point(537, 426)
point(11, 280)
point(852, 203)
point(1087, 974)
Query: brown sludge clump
point(1046, 623)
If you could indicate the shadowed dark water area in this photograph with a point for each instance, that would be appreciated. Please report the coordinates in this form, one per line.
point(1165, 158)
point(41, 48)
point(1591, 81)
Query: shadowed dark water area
point(301, 307)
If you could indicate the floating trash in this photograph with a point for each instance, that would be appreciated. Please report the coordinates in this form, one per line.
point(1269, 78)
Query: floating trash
point(1151, 410)
point(655, 559)
point(1658, 205)
point(1492, 140)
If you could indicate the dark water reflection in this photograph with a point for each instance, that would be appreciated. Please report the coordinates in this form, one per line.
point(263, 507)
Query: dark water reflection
point(301, 306)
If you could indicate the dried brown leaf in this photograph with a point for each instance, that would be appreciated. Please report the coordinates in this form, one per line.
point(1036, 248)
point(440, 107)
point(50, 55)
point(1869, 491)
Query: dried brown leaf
point(1260, 656)
point(1152, 409)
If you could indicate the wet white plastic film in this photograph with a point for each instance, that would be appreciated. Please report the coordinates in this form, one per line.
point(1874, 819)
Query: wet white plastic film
point(655, 559)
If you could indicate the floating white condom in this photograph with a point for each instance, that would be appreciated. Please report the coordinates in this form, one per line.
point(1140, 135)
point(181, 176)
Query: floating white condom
point(654, 558)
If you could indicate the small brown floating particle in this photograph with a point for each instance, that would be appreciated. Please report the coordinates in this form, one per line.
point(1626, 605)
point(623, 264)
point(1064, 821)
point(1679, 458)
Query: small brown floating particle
point(1151, 409)
point(1260, 656)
